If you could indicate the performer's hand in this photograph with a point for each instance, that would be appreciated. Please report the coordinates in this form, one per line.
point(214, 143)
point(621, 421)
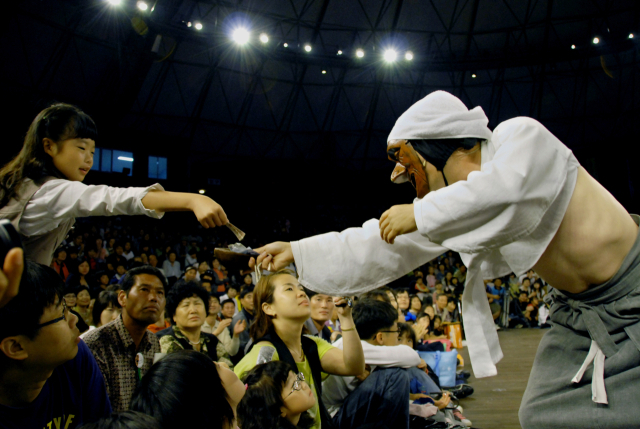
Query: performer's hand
point(396, 221)
point(209, 213)
point(10, 275)
point(278, 254)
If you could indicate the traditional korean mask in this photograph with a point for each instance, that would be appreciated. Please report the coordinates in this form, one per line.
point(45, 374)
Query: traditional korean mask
point(409, 166)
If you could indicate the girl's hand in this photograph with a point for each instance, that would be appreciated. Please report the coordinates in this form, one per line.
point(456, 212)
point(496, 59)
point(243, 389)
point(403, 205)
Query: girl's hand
point(398, 220)
point(277, 254)
point(344, 311)
point(241, 325)
point(224, 324)
point(443, 401)
point(209, 213)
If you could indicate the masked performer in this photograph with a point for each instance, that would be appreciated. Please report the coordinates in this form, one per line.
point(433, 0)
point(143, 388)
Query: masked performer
point(507, 201)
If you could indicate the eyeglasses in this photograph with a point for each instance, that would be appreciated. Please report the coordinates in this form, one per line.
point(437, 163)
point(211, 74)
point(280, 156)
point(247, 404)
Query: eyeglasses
point(297, 385)
point(51, 322)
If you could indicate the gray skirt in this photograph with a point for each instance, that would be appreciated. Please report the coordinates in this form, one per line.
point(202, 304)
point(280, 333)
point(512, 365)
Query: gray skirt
point(586, 373)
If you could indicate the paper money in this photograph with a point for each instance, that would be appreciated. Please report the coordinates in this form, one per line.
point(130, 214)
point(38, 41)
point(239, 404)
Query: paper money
point(239, 234)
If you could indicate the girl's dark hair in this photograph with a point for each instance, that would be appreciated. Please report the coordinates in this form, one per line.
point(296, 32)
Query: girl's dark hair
point(58, 122)
point(105, 298)
point(406, 329)
point(260, 406)
point(262, 293)
point(125, 420)
point(168, 391)
point(183, 291)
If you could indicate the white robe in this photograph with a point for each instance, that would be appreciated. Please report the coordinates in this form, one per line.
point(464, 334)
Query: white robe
point(500, 220)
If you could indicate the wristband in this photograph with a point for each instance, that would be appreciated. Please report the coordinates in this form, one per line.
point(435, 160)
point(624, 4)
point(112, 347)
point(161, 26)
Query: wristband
point(347, 330)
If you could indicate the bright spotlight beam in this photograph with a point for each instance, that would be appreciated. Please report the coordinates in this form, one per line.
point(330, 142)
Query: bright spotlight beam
point(142, 5)
point(241, 35)
point(264, 38)
point(359, 53)
point(114, 2)
point(307, 48)
point(390, 55)
point(408, 56)
point(198, 26)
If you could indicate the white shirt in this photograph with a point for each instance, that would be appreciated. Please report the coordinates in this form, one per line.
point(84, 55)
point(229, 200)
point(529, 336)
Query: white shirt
point(61, 199)
point(500, 220)
point(335, 388)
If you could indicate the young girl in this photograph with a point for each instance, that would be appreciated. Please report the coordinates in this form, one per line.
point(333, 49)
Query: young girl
point(41, 190)
point(280, 309)
point(276, 398)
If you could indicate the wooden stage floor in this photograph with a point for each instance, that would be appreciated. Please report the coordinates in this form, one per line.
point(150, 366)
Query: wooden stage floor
point(496, 400)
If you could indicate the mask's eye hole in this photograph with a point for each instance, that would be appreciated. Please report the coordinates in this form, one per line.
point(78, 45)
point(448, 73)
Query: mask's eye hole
point(393, 153)
point(412, 179)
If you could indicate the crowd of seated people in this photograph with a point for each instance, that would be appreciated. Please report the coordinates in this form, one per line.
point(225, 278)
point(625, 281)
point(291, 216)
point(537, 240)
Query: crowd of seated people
point(157, 310)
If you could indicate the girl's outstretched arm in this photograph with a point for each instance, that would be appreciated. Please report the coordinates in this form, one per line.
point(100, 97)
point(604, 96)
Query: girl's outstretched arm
point(208, 212)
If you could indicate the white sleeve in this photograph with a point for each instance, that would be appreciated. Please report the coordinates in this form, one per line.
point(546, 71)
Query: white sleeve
point(507, 199)
point(61, 199)
point(400, 356)
point(357, 260)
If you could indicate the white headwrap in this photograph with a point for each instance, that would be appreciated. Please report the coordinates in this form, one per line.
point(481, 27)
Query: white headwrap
point(440, 115)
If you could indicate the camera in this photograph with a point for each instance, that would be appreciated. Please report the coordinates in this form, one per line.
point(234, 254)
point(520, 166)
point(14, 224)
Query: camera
point(9, 238)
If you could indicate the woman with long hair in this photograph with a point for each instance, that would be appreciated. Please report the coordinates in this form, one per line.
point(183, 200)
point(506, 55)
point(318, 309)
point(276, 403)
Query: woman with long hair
point(41, 190)
point(280, 309)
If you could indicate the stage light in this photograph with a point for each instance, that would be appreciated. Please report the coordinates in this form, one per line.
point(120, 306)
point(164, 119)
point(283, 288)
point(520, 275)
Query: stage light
point(390, 55)
point(189, 24)
point(264, 38)
point(359, 53)
point(142, 5)
point(125, 158)
point(339, 52)
point(201, 191)
point(198, 26)
point(324, 72)
point(240, 35)
point(473, 75)
point(573, 46)
point(408, 56)
point(307, 48)
point(630, 35)
point(114, 2)
point(285, 44)
point(596, 40)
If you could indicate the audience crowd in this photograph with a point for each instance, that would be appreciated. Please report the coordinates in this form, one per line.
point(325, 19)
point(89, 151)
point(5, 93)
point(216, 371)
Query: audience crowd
point(167, 331)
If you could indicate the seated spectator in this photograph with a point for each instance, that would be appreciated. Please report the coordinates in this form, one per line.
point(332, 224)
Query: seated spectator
point(518, 311)
point(116, 257)
point(437, 328)
point(217, 326)
point(127, 251)
point(102, 281)
point(276, 398)
point(431, 278)
point(190, 274)
point(228, 309)
point(461, 274)
point(161, 324)
point(439, 290)
point(221, 280)
point(185, 405)
point(116, 345)
point(382, 396)
point(441, 273)
point(440, 308)
point(233, 292)
point(495, 294)
point(207, 285)
point(446, 282)
point(203, 267)
point(282, 307)
point(452, 308)
point(248, 281)
point(420, 287)
point(84, 304)
point(404, 302)
point(321, 311)
point(70, 297)
point(59, 263)
point(106, 308)
point(125, 420)
point(416, 305)
point(526, 286)
point(81, 276)
point(380, 295)
point(246, 315)
point(121, 270)
point(192, 257)
point(48, 377)
point(187, 311)
point(153, 261)
point(537, 290)
point(101, 250)
point(171, 268)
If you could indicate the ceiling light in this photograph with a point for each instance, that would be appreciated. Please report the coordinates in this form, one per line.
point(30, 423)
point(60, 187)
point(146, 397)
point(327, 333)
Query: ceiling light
point(473, 75)
point(142, 5)
point(198, 26)
point(114, 2)
point(264, 38)
point(125, 158)
point(359, 53)
point(596, 40)
point(573, 46)
point(408, 56)
point(240, 35)
point(201, 191)
point(630, 35)
point(324, 72)
point(339, 52)
point(390, 55)
point(307, 48)
point(189, 24)
point(285, 44)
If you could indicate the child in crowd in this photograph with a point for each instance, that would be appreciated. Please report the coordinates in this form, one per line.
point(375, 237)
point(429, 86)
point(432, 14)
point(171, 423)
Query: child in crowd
point(276, 398)
point(41, 190)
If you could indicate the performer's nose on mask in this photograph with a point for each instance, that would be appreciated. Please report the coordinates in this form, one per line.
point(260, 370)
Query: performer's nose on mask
point(409, 166)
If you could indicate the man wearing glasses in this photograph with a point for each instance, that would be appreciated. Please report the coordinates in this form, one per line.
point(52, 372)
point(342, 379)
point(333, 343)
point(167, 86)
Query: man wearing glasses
point(381, 394)
point(48, 376)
